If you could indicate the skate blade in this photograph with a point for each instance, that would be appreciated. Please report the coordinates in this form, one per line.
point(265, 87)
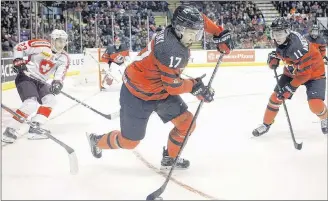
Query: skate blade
point(7, 141)
point(91, 147)
point(37, 137)
point(88, 138)
point(168, 168)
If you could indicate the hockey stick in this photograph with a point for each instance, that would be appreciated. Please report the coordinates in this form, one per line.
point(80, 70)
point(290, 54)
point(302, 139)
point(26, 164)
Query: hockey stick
point(71, 153)
point(156, 194)
point(188, 76)
point(296, 145)
point(107, 116)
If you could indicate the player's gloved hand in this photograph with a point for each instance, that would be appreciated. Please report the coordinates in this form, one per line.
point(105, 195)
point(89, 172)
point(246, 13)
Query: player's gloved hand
point(19, 65)
point(56, 87)
point(273, 60)
point(119, 59)
point(224, 42)
point(286, 92)
point(202, 92)
point(108, 79)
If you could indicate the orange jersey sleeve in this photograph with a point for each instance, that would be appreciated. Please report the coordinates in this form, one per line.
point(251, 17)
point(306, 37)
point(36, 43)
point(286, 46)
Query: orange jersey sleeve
point(210, 27)
point(319, 42)
point(172, 81)
point(322, 49)
point(106, 57)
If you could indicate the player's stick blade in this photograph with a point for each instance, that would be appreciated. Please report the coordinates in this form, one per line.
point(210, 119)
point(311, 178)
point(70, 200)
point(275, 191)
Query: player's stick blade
point(299, 146)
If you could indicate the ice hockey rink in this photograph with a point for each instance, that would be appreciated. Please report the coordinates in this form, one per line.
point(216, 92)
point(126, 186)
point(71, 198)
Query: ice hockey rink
point(227, 162)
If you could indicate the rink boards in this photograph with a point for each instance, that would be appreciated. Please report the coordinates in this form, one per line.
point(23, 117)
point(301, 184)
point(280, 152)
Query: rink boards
point(198, 59)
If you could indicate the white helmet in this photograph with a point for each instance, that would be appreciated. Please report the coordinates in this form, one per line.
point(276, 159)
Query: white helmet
point(58, 40)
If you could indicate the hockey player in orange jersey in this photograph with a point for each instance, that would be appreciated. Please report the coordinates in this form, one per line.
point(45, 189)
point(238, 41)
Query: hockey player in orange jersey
point(318, 41)
point(118, 54)
point(44, 59)
point(152, 83)
point(304, 66)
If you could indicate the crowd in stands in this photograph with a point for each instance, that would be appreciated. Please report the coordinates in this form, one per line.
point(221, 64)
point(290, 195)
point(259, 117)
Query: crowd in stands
point(243, 19)
point(114, 21)
point(302, 14)
point(9, 36)
point(92, 24)
point(101, 22)
point(315, 8)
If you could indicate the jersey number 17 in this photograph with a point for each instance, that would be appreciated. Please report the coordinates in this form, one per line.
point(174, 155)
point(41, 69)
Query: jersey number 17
point(176, 60)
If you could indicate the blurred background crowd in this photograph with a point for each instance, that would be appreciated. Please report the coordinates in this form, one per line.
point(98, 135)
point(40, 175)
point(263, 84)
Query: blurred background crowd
point(93, 24)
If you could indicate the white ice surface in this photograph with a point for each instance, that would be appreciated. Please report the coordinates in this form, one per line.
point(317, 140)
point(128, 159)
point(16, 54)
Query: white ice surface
point(226, 161)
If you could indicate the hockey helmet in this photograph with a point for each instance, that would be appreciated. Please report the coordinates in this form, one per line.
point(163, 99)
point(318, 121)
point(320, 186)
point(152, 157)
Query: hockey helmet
point(58, 40)
point(314, 33)
point(280, 30)
point(188, 24)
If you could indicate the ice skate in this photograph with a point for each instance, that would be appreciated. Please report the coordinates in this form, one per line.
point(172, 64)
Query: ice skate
point(35, 133)
point(324, 126)
point(263, 128)
point(9, 136)
point(168, 161)
point(93, 140)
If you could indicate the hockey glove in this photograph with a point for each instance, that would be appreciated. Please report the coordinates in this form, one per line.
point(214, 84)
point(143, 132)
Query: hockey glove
point(19, 65)
point(224, 42)
point(202, 92)
point(56, 87)
point(273, 60)
point(119, 59)
point(286, 92)
point(108, 80)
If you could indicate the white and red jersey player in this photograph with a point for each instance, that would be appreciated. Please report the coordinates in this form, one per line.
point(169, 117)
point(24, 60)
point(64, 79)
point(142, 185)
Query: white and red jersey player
point(45, 59)
point(42, 60)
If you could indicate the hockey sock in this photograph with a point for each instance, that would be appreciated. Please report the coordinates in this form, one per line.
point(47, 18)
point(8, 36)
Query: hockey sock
point(318, 107)
point(115, 140)
point(179, 132)
point(272, 109)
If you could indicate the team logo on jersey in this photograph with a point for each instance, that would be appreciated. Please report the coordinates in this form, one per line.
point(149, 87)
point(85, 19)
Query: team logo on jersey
point(46, 66)
point(176, 81)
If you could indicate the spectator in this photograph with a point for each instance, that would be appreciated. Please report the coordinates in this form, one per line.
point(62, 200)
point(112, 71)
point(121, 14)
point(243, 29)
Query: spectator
point(134, 22)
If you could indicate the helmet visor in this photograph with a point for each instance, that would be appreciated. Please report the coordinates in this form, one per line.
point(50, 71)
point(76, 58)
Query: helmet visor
point(191, 35)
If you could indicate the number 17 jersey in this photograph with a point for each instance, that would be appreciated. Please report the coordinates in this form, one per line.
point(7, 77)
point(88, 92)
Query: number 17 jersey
point(155, 72)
